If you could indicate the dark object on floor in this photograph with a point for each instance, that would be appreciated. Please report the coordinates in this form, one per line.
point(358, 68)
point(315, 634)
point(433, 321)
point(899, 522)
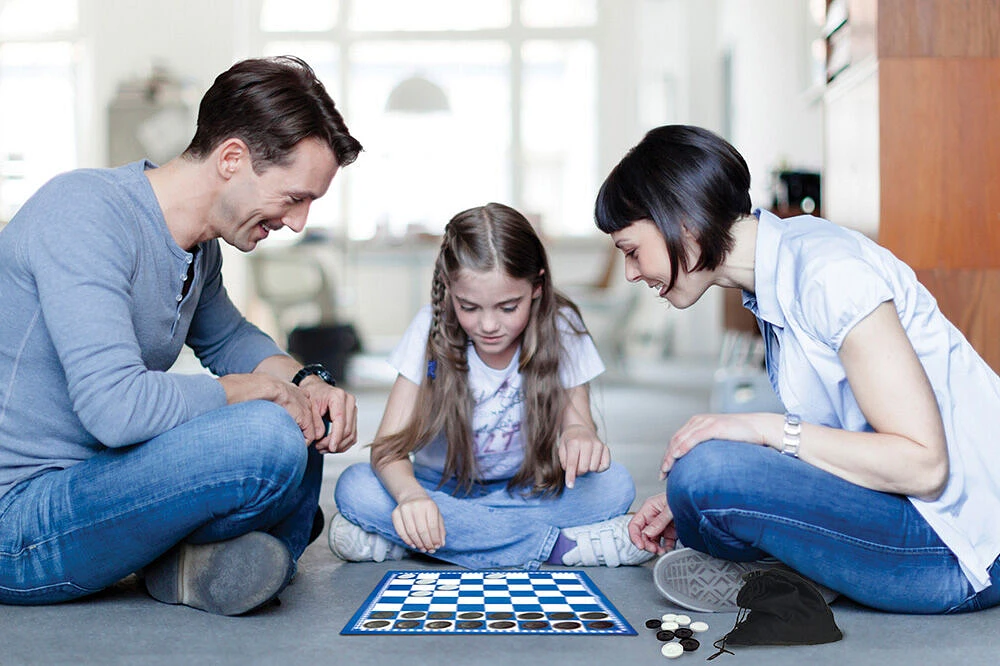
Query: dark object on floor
point(328, 344)
point(319, 522)
point(780, 607)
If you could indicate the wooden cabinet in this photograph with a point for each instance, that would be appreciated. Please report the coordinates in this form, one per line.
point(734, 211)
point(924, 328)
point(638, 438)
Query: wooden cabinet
point(917, 114)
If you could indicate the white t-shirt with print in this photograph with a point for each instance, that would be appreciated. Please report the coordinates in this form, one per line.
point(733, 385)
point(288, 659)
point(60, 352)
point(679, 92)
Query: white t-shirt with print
point(498, 398)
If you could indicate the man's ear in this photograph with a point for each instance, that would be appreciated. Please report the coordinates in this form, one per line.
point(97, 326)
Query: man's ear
point(230, 156)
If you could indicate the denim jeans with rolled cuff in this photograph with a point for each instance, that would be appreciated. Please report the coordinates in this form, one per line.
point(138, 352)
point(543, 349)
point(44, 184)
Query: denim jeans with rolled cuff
point(743, 502)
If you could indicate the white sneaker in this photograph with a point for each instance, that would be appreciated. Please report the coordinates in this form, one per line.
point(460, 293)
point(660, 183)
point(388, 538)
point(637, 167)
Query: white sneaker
point(351, 543)
point(604, 543)
point(706, 584)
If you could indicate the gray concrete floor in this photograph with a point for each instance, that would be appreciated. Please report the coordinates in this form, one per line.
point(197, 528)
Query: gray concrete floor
point(124, 626)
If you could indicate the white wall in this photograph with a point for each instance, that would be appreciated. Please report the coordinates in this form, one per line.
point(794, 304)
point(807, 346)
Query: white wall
point(775, 121)
point(195, 39)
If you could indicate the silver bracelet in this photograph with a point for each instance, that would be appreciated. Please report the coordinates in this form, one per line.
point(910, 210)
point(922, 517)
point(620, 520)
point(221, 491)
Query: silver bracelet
point(791, 434)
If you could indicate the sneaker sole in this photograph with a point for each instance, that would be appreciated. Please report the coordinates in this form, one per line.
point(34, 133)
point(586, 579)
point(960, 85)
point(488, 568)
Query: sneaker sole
point(700, 582)
point(226, 578)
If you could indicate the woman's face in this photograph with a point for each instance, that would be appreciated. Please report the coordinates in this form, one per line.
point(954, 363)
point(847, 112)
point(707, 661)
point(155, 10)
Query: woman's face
point(646, 260)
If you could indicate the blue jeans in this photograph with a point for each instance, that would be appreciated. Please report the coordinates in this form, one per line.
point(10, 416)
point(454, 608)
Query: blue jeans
point(489, 527)
point(742, 502)
point(71, 532)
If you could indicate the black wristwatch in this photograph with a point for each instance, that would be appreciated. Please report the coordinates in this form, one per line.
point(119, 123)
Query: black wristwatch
point(314, 369)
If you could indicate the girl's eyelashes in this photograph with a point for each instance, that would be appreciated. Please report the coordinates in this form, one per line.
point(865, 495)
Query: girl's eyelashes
point(507, 309)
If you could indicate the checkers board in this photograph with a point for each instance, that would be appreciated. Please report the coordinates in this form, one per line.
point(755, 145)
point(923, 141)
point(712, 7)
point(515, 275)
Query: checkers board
point(487, 602)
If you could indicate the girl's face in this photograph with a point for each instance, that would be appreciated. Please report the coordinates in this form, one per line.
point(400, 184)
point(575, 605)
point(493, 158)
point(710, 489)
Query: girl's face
point(646, 259)
point(493, 309)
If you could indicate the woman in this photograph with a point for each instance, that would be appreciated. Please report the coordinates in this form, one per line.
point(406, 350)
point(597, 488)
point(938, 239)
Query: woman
point(880, 481)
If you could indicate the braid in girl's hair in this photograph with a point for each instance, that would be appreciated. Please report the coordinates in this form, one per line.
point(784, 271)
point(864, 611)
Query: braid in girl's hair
point(482, 239)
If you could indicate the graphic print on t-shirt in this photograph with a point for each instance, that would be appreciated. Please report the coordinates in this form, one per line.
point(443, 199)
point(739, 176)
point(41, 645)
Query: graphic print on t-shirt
point(497, 429)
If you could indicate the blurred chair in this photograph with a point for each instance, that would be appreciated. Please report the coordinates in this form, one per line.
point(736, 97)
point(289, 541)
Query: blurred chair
point(298, 290)
point(608, 306)
point(295, 287)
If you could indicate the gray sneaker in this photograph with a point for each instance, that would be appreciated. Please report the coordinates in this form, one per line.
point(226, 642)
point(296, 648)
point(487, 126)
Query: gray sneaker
point(228, 577)
point(706, 584)
point(606, 542)
point(351, 543)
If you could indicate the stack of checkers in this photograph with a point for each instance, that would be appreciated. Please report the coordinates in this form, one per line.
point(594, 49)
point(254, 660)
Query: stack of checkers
point(464, 601)
point(680, 627)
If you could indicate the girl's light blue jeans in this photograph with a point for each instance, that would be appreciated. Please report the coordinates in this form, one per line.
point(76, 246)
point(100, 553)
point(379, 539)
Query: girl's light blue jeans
point(742, 502)
point(490, 526)
point(71, 532)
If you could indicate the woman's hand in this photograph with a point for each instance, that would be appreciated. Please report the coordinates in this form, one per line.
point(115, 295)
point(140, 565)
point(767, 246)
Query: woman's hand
point(418, 522)
point(652, 527)
point(581, 451)
point(753, 428)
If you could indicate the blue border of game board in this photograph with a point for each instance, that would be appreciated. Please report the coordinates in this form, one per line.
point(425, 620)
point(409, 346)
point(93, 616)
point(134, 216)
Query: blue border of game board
point(353, 626)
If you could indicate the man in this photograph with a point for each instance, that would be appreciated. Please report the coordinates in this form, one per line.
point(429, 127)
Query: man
point(109, 464)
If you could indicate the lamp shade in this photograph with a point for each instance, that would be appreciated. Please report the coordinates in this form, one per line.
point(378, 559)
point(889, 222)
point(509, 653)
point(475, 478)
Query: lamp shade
point(417, 94)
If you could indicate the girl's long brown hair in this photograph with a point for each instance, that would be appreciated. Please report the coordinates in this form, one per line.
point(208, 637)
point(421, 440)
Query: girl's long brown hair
point(481, 239)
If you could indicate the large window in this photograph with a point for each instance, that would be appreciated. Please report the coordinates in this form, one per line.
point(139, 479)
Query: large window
point(38, 56)
point(457, 103)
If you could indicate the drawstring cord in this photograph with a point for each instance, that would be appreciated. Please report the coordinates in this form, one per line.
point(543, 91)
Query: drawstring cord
point(740, 619)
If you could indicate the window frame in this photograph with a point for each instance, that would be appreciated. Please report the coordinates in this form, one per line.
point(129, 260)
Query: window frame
point(515, 35)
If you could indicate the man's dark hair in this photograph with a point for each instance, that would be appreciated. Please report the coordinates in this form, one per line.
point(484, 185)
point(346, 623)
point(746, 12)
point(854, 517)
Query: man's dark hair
point(679, 177)
point(271, 104)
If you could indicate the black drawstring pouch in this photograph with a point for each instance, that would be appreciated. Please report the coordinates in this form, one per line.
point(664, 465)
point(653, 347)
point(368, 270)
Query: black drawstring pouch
point(780, 607)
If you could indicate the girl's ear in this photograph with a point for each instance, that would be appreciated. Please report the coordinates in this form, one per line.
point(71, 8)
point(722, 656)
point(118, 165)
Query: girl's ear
point(537, 291)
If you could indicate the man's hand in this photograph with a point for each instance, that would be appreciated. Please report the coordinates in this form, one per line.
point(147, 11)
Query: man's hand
point(581, 451)
point(307, 403)
point(339, 407)
point(652, 527)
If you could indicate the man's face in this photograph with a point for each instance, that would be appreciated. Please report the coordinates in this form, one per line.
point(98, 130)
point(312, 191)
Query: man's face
point(255, 204)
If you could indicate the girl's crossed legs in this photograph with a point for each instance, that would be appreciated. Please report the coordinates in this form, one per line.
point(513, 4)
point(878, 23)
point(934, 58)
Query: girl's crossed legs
point(490, 527)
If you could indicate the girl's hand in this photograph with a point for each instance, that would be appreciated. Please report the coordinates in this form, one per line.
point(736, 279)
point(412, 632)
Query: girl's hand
point(418, 522)
point(581, 451)
point(753, 428)
point(652, 527)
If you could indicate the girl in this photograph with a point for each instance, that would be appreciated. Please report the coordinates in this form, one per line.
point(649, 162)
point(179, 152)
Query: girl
point(880, 480)
point(492, 402)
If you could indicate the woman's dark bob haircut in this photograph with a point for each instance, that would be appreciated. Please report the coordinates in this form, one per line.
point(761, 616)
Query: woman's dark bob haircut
point(679, 177)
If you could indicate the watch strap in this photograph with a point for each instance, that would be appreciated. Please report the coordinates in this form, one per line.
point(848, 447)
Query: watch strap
point(314, 369)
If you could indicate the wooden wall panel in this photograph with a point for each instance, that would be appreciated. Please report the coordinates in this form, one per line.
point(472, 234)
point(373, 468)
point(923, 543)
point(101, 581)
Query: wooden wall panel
point(942, 28)
point(969, 299)
point(939, 132)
